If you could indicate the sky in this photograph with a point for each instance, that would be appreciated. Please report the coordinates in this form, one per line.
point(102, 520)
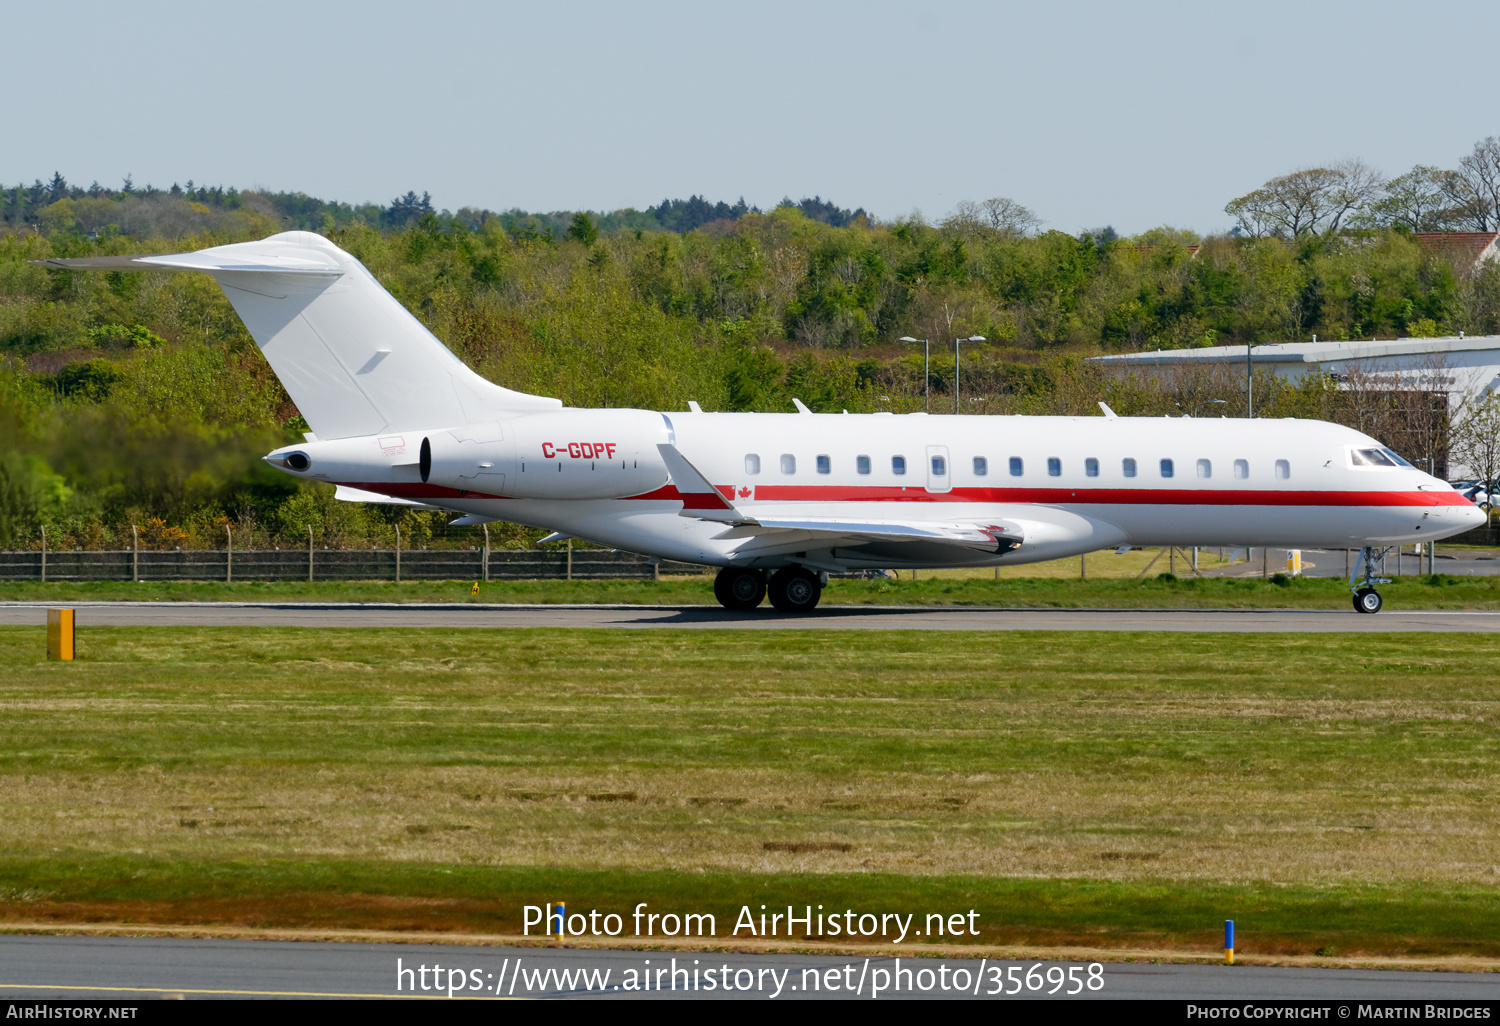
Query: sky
point(1132, 115)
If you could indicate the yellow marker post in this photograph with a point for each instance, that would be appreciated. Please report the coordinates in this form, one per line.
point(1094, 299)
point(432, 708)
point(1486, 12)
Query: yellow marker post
point(1229, 942)
point(474, 590)
point(60, 634)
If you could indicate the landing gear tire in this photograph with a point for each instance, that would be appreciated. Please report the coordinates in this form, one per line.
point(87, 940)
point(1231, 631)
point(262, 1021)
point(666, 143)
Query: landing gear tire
point(739, 587)
point(1367, 600)
point(795, 590)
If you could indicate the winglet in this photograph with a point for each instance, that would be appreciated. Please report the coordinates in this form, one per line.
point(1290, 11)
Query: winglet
point(700, 499)
point(1111, 414)
point(801, 406)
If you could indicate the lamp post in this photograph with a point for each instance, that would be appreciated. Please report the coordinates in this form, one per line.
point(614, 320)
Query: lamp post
point(971, 338)
point(926, 370)
point(1250, 380)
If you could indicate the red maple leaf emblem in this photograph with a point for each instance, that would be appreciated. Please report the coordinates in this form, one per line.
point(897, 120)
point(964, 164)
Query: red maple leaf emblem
point(744, 493)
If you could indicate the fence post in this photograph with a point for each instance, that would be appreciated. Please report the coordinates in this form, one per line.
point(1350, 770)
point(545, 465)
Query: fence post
point(485, 563)
point(570, 559)
point(309, 554)
point(398, 553)
point(44, 553)
point(1083, 567)
point(135, 555)
point(228, 555)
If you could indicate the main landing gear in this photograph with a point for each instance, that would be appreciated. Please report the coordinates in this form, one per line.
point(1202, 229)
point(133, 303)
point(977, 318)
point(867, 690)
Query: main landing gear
point(793, 589)
point(1366, 598)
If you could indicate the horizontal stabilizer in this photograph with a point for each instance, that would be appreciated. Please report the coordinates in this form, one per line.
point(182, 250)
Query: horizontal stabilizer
point(204, 261)
point(346, 494)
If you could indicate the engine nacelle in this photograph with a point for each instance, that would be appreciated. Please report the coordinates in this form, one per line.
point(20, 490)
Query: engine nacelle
point(570, 454)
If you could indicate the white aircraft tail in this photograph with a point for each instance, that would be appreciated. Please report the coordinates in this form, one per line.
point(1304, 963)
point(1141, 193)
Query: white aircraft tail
point(354, 360)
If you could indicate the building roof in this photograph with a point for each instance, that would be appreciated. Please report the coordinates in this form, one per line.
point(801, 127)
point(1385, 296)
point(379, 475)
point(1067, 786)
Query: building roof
point(1308, 352)
point(1460, 247)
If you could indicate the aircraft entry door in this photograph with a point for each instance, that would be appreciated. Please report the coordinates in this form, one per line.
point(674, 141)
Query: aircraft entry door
point(939, 469)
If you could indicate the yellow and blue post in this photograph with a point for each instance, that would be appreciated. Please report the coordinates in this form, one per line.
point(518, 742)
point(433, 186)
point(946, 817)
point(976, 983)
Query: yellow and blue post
point(560, 917)
point(1229, 942)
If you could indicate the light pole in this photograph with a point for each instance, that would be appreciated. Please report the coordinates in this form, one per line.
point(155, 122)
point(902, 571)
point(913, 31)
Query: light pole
point(926, 370)
point(1250, 380)
point(971, 338)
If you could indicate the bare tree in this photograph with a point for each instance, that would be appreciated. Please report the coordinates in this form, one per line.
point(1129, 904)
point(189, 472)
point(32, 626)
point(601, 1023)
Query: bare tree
point(1007, 217)
point(1474, 189)
point(1476, 440)
point(1307, 201)
point(998, 216)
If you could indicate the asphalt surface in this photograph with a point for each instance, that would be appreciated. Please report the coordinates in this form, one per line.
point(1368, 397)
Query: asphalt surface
point(943, 618)
point(80, 968)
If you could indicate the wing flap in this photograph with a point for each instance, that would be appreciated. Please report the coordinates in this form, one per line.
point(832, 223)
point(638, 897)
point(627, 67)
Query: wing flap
point(997, 537)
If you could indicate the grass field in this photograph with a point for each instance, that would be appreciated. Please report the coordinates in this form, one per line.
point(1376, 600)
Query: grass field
point(931, 588)
point(1329, 792)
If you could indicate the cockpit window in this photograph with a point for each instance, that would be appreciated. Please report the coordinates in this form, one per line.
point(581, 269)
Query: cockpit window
point(1396, 456)
point(1372, 458)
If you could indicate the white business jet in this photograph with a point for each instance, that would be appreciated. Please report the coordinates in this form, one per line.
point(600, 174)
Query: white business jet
point(780, 501)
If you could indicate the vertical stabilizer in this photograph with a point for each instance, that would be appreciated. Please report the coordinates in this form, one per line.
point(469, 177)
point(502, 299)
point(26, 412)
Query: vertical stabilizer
point(354, 360)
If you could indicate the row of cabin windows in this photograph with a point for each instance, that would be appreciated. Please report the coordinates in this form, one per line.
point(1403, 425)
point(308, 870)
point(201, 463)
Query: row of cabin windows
point(1128, 467)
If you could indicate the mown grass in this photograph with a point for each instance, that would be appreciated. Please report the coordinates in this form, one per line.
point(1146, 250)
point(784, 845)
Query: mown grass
point(1342, 788)
point(1440, 591)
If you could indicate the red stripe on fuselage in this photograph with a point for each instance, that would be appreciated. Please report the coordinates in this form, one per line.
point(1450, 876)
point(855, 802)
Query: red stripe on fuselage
point(1088, 496)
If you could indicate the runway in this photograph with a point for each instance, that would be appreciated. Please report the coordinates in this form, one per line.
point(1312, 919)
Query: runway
point(931, 618)
point(146, 968)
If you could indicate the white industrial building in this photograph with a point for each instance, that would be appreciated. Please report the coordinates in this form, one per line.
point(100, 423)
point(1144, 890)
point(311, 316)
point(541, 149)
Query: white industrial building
point(1459, 366)
point(1456, 365)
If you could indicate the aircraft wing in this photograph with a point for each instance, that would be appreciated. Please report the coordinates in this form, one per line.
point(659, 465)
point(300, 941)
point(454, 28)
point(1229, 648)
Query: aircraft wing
point(706, 502)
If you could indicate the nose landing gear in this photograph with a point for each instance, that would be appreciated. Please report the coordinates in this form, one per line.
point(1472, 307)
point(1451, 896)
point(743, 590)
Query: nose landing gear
point(1366, 598)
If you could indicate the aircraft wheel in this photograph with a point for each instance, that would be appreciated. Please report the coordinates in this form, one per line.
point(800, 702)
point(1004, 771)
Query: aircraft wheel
point(795, 590)
point(739, 587)
point(1367, 600)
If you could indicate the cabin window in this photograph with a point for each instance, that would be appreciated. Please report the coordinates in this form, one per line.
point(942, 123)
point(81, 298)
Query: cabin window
point(1016, 466)
point(1128, 466)
point(752, 463)
point(1241, 469)
point(1283, 470)
point(939, 467)
point(862, 464)
point(825, 465)
point(1166, 468)
point(1205, 469)
point(1054, 466)
point(1371, 458)
point(788, 463)
point(1091, 467)
point(981, 466)
point(898, 465)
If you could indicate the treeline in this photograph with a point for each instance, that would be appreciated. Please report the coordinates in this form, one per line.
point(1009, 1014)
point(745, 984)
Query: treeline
point(148, 211)
point(138, 398)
